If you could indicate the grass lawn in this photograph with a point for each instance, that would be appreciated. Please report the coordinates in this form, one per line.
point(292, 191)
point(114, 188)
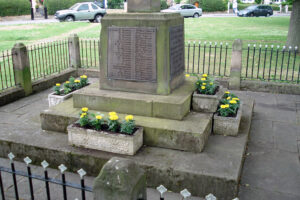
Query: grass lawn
point(271, 30)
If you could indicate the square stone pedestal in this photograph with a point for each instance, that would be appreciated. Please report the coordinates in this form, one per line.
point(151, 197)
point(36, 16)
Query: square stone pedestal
point(142, 52)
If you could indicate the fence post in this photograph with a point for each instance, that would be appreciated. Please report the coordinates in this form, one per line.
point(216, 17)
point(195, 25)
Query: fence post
point(236, 65)
point(120, 179)
point(21, 67)
point(74, 51)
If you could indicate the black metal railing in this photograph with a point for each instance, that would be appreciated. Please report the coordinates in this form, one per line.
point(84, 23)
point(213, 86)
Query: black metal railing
point(48, 58)
point(44, 178)
point(207, 57)
point(271, 63)
point(89, 53)
point(7, 77)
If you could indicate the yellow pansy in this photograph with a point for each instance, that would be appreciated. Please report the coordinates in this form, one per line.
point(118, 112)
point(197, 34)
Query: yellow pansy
point(112, 113)
point(233, 102)
point(113, 117)
point(84, 109)
point(82, 115)
point(203, 87)
point(187, 75)
point(203, 79)
point(129, 117)
point(77, 81)
point(99, 117)
point(228, 98)
point(203, 83)
point(67, 82)
point(236, 99)
point(57, 84)
point(204, 75)
point(227, 92)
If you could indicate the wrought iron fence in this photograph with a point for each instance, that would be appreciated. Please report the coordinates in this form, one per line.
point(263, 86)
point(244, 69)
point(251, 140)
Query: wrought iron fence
point(208, 57)
point(271, 63)
point(44, 178)
point(7, 76)
point(48, 58)
point(89, 53)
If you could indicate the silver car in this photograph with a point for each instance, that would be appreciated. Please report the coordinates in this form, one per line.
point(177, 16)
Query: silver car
point(81, 11)
point(186, 10)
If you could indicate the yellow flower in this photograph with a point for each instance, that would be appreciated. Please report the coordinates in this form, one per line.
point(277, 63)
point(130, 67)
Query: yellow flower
point(227, 92)
point(129, 117)
point(99, 117)
point(236, 99)
point(211, 83)
point(77, 81)
point(204, 75)
point(232, 101)
point(228, 98)
point(84, 109)
point(187, 75)
point(225, 106)
point(203, 83)
point(67, 82)
point(112, 113)
point(83, 76)
point(82, 115)
point(57, 84)
point(113, 117)
point(203, 87)
point(203, 79)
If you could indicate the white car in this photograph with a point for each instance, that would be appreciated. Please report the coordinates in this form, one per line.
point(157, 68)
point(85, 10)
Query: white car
point(186, 10)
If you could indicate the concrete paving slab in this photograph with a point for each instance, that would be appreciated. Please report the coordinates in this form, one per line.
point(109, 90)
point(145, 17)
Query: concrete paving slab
point(262, 133)
point(272, 170)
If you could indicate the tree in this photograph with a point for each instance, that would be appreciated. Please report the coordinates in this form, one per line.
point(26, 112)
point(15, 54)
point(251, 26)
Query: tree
point(293, 38)
point(258, 1)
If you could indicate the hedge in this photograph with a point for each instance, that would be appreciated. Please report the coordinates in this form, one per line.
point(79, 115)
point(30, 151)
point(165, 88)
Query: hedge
point(55, 5)
point(212, 5)
point(14, 7)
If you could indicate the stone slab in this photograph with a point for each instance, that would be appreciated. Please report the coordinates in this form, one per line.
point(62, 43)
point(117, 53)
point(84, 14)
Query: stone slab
point(217, 170)
point(189, 134)
point(174, 106)
point(143, 5)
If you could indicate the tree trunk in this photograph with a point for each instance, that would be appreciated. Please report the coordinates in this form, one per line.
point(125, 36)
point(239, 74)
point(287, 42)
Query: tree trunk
point(294, 29)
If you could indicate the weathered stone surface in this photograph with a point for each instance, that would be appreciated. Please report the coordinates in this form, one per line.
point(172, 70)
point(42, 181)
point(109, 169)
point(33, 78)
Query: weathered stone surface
point(56, 99)
point(227, 125)
point(160, 23)
point(194, 129)
point(173, 106)
point(120, 179)
point(74, 51)
point(236, 65)
point(207, 103)
point(104, 141)
point(21, 67)
point(143, 6)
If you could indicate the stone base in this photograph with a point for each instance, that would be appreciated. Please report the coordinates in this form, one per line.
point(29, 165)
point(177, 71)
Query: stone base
point(216, 170)
point(189, 134)
point(174, 106)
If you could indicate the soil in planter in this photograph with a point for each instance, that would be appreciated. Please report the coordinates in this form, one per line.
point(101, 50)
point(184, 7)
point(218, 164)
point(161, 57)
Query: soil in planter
point(62, 92)
point(105, 128)
point(215, 92)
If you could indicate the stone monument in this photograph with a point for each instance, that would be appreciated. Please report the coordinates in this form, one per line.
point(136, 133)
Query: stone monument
point(142, 50)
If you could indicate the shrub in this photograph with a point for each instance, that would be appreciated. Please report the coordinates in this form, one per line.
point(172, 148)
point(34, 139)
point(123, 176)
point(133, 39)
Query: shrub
point(14, 7)
point(213, 5)
point(115, 4)
point(163, 4)
point(177, 1)
point(258, 1)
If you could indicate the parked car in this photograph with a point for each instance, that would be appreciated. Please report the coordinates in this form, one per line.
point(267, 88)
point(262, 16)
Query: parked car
point(256, 10)
point(81, 11)
point(186, 10)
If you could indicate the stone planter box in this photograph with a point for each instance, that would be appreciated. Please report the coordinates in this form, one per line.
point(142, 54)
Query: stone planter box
point(207, 103)
point(104, 141)
point(54, 99)
point(227, 125)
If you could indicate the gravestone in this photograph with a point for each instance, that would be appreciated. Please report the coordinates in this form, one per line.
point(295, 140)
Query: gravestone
point(142, 50)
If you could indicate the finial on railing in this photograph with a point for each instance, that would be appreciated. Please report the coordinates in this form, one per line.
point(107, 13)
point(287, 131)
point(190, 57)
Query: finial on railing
point(62, 168)
point(210, 197)
point(11, 156)
point(185, 193)
point(27, 160)
point(81, 173)
point(161, 189)
point(45, 164)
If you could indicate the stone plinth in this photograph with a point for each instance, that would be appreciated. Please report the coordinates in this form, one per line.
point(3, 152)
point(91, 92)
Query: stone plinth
point(142, 52)
point(143, 6)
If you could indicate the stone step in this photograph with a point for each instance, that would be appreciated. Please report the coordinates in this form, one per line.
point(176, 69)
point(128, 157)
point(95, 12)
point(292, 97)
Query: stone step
point(174, 106)
point(189, 134)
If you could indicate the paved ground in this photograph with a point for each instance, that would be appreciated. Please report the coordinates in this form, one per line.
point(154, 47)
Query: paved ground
point(272, 166)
